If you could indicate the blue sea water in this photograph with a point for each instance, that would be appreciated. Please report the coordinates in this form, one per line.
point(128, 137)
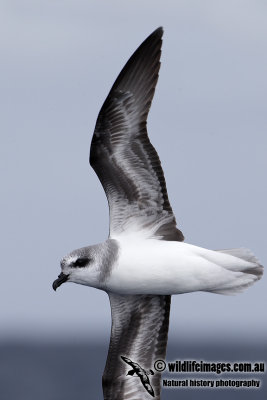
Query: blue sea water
point(32, 371)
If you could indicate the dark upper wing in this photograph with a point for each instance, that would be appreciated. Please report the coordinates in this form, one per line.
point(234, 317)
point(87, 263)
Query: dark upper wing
point(121, 154)
point(139, 332)
point(147, 386)
point(134, 365)
point(146, 383)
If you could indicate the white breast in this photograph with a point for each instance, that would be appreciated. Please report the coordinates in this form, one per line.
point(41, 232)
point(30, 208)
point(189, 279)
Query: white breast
point(155, 267)
point(161, 267)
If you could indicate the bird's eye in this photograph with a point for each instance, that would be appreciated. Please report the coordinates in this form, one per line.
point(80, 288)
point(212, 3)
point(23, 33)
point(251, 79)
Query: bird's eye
point(81, 262)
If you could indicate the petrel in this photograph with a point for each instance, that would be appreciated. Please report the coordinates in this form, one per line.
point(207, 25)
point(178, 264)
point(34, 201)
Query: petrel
point(144, 260)
point(141, 373)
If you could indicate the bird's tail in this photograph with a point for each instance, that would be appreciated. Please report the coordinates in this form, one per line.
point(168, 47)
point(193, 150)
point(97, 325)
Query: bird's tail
point(250, 271)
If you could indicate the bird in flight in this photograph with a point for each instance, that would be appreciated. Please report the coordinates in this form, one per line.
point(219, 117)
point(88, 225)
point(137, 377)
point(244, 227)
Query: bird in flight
point(144, 261)
point(141, 373)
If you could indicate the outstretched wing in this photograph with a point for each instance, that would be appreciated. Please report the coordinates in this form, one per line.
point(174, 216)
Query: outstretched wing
point(147, 385)
point(134, 365)
point(121, 154)
point(139, 332)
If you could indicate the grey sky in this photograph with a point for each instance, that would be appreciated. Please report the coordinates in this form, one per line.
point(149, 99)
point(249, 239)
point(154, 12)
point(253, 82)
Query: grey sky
point(207, 122)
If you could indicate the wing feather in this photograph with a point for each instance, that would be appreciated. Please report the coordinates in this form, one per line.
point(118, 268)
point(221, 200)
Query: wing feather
point(139, 332)
point(121, 154)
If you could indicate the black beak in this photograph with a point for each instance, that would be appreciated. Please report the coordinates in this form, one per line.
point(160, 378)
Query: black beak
point(61, 279)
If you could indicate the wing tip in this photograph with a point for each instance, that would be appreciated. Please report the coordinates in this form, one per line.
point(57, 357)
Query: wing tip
point(158, 32)
point(154, 37)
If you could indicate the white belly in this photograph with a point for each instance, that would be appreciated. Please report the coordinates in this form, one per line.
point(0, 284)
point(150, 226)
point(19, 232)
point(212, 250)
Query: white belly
point(160, 267)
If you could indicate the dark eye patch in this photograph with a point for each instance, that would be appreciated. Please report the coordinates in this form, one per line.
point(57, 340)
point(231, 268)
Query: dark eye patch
point(81, 262)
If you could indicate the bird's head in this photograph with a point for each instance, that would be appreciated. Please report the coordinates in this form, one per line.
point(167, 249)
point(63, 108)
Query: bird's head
point(80, 266)
point(88, 266)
